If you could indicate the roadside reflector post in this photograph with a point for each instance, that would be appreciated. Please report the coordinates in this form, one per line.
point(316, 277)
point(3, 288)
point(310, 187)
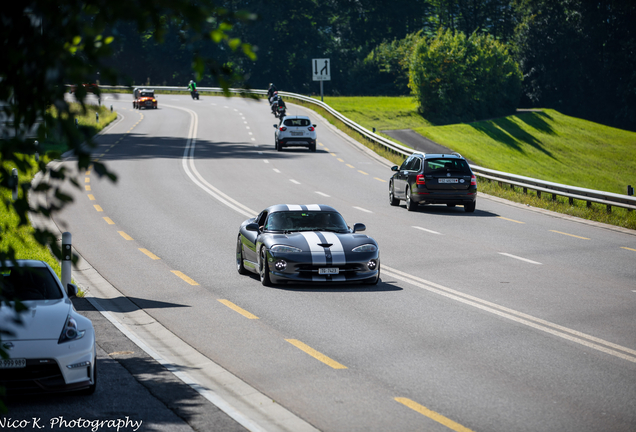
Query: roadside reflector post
point(13, 183)
point(37, 151)
point(97, 117)
point(67, 254)
point(76, 123)
point(111, 108)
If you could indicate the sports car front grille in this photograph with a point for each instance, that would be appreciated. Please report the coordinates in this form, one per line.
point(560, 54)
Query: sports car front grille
point(343, 268)
point(38, 375)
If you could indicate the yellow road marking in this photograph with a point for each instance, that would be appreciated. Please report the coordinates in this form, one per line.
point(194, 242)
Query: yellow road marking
point(150, 254)
point(124, 235)
point(109, 221)
point(315, 354)
point(238, 309)
point(340, 160)
point(184, 277)
point(622, 247)
point(511, 220)
point(362, 172)
point(321, 144)
point(350, 166)
point(98, 208)
point(87, 179)
point(87, 187)
point(379, 179)
point(88, 173)
point(433, 415)
point(91, 197)
point(571, 235)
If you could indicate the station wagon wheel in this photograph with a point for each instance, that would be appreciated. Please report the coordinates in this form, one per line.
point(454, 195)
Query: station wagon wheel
point(469, 208)
point(239, 257)
point(392, 199)
point(263, 268)
point(410, 205)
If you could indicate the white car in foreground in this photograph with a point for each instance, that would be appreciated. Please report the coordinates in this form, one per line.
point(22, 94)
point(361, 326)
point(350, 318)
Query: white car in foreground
point(53, 350)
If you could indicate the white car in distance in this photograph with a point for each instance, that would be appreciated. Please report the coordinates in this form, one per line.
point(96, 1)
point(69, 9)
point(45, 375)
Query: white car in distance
point(295, 131)
point(53, 349)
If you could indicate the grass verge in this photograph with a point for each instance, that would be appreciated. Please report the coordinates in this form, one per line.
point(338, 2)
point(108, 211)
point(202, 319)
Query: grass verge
point(20, 238)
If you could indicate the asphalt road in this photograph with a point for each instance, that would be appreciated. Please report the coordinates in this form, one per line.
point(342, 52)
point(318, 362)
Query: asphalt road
point(509, 318)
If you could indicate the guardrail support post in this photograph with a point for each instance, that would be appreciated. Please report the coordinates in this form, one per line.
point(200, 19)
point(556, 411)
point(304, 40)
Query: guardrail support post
point(14, 183)
point(571, 200)
point(554, 197)
point(609, 208)
point(630, 190)
point(525, 190)
point(589, 204)
point(67, 254)
point(538, 194)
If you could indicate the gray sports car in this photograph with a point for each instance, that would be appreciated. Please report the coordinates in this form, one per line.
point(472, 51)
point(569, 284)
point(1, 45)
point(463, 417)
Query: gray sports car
point(306, 243)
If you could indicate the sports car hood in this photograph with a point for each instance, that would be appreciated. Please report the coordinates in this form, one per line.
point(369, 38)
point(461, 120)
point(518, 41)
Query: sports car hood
point(44, 320)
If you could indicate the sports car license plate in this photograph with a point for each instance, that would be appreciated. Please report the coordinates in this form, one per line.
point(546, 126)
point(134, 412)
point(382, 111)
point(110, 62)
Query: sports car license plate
point(12, 363)
point(328, 270)
point(297, 134)
point(447, 180)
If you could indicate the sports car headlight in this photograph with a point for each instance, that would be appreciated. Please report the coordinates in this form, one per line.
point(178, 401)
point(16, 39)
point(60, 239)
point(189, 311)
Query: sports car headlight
point(365, 248)
point(284, 249)
point(70, 331)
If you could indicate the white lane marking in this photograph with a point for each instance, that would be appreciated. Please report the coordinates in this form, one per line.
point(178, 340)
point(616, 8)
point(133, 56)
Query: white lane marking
point(247, 127)
point(427, 230)
point(254, 139)
point(519, 317)
point(519, 258)
point(323, 194)
point(197, 179)
point(235, 109)
point(277, 170)
point(362, 209)
point(265, 160)
point(250, 133)
point(294, 181)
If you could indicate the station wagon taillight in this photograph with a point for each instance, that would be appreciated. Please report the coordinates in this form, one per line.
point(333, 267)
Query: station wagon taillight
point(473, 180)
point(311, 128)
point(420, 180)
point(283, 129)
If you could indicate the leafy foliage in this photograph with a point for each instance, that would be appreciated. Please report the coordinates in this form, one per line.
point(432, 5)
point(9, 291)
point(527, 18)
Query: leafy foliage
point(457, 78)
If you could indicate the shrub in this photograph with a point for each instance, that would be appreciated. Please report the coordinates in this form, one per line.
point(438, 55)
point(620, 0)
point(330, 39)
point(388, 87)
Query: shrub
point(461, 79)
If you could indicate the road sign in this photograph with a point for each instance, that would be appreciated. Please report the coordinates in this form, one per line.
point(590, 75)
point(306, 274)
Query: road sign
point(321, 69)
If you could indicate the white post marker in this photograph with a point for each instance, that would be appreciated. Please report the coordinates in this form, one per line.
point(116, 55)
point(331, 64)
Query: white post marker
point(321, 69)
point(67, 254)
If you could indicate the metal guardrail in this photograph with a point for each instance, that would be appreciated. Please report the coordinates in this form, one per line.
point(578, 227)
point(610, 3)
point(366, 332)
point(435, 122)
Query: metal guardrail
point(540, 186)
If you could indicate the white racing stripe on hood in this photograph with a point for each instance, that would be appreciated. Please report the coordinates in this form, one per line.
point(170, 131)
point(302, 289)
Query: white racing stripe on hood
point(315, 207)
point(337, 251)
point(318, 256)
point(294, 207)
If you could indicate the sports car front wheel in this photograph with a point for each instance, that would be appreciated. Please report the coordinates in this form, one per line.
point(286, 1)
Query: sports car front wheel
point(239, 257)
point(263, 269)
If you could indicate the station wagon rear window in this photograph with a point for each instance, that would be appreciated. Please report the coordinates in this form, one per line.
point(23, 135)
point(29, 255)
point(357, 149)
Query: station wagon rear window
point(446, 165)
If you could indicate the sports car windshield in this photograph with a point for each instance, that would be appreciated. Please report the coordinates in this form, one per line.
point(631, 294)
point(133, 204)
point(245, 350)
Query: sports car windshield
point(290, 221)
point(30, 284)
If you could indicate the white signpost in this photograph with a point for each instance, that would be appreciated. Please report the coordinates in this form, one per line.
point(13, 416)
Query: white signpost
point(321, 71)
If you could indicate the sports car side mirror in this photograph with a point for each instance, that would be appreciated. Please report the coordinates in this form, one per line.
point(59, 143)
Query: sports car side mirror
point(359, 227)
point(275, 126)
point(395, 168)
point(314, 125)
point(72, 290)
point(251, 227)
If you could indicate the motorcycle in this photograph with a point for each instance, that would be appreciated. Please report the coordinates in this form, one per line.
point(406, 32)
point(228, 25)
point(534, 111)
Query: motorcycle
point(280, 111)
point(194, 94)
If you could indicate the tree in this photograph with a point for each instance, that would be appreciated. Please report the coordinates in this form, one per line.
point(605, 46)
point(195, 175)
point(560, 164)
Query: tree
point(459, 78)
point(578, 57)
point(47, 45)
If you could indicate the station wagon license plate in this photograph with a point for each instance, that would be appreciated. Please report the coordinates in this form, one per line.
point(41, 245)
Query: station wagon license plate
point(447, 180)
point(297, 134)
point(328, 270)
point(12, 363)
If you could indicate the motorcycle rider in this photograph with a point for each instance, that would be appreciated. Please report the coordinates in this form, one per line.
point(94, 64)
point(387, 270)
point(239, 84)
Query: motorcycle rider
point(280, 109)
point(270, 92)
point(192, 86)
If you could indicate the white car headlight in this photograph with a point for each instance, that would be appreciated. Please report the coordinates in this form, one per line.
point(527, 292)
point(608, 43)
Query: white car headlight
point(365, 248)
point(284, 249)
point(70, 331)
